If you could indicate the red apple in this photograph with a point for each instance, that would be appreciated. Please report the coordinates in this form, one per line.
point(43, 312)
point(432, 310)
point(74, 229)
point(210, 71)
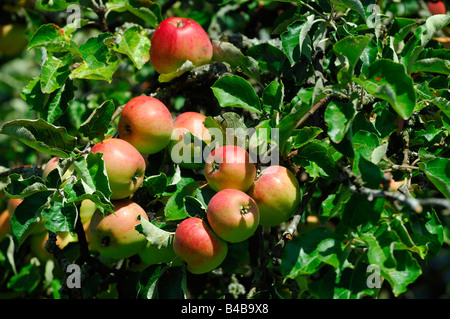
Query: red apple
point(436, 7)
point(233, 215)
point(5, 224)
point(277, 193)
point(199, 246)
point(177, 40)
point(114, 235)
point(186, 154)
point(229, 166)
point(146, 123)
point(125, 166)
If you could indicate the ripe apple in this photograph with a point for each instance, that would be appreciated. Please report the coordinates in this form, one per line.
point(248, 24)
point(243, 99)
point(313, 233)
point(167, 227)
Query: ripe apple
point(177, 40)
point(5, 224)
point(114, 235)
point(146, 123)
point(194, 123)
point(125, 166)
point(199, 246)
point(233, 215)
point(436, 7)
point(229, 166)
point(53, 164)
point(12, 39)
point(277, 193)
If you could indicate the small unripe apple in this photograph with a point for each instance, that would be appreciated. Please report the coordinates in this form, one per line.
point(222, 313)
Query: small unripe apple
point(125, 166)
point(152, 255)
point(12, 39)
point(229, 166)
point(186, 154)
point(199, 246)
point(233, 215)
point(436, 7)
point(177, 40)
point(146, 123)
point(277, 193)
point(114, 235)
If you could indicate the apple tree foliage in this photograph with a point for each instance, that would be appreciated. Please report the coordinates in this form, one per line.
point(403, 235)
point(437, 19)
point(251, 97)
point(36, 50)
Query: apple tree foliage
point(355, 89)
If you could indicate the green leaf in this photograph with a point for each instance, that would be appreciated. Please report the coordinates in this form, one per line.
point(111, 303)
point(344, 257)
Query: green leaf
point(149, 11)
point(175, 207)
point(295, 44)
point(399, 268)
point(155, 184)
point(97, 124)
point(272, 97)
point(388, 81)
point(227, 52)
point(92, 172)
point(41, 136)
point(235, 91)
point(100, 62)
point(316, 153)
point(308, 252)
point(339, 117)
point(422, 36)
point(27, 280)
point(148, 283)
point(355, 5)
point(400, 28)
point(20, 187)
point(351, 48)
point(54, 5)
point(134, 43)
point(359, 212)
point(60, 215)
point(437, 170)
point(157, 237)
point(55, 72)
point(27, 215)
point(52, 38)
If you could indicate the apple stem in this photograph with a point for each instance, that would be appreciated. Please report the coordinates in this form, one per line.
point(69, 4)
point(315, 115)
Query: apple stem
point(215, 166)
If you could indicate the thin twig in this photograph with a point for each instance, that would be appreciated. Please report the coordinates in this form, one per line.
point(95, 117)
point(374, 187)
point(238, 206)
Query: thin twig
point(315, 107)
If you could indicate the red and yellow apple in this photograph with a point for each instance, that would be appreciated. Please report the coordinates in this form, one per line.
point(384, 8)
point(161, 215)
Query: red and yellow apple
point(233, 215)
point(114, 235)
point(146, 123)
point(196, 243)
point(229, 166)
point(177, 40)
point(188, 155)
point(277, 193)
point(125, 166)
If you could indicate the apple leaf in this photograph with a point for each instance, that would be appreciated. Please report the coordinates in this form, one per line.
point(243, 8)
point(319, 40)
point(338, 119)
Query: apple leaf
point(185, 67)
point(227, 52)
point(20, 187)
point(53, 39)
point(235, 91)
point(388, 80)
point(134, 43)
point(437, 171)
point(157, 237)
point(339, 117)
point(149, 11)
point(96, 126)
point(41, 136)
point(54, 72)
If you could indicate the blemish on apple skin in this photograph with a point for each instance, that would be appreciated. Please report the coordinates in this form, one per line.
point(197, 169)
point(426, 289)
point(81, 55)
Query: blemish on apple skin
point(106, 241)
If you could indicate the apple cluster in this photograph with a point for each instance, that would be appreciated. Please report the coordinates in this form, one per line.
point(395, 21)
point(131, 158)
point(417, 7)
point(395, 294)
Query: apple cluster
point(244, 198)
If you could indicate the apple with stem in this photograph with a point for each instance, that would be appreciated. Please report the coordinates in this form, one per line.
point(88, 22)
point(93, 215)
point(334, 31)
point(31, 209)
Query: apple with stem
point(233, 215)
point(183, 153)
point(277, 193)
point(229, 166)
point(196, 243)
point(125, 166)
point(177, 40)
point(146, 123)
point(114, 235)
